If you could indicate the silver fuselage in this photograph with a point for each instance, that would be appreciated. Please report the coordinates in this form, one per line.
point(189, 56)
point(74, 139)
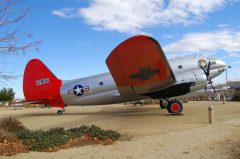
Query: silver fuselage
point(101, 89)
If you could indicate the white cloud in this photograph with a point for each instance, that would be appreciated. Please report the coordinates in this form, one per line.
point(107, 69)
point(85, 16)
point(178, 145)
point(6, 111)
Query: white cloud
point(132, 16)
point(223, 26)
point(233, 54)
point(168, 36)
point(207, 42)
point(67, 13)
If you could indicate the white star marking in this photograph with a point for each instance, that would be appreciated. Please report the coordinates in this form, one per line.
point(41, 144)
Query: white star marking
point(78, 90)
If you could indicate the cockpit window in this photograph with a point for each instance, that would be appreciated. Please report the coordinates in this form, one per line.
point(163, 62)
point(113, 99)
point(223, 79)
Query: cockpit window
point(179, 66)
point(212, 62)
point(221, 70)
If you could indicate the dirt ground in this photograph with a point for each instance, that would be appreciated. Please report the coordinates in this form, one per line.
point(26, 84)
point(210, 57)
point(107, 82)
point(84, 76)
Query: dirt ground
point(148, 132)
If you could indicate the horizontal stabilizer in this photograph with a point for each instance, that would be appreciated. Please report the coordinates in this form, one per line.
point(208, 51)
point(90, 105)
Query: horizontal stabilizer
point(38, 101)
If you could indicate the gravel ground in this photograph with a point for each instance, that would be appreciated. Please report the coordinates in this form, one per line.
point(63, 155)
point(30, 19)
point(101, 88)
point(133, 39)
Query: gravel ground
point(148, 132)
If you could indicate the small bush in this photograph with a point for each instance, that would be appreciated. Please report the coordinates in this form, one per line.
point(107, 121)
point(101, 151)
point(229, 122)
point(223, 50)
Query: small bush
point(38, 140)
point(113, 135)
point(57, 131)
point(204, 97)
point(9, 123)
point(46, 141)
point(236, 96)
point(75, 133)
point(5, 135)
point(84, 128)
point(97, 132)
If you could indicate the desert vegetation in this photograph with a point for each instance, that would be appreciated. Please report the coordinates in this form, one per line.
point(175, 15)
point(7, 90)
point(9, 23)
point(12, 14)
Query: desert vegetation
point(236, 96)
point(16, 138)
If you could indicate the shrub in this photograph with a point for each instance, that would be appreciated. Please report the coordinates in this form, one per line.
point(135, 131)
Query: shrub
point(22, 133)
point(93, 131)
point(97, 132)
point(84, 129)
point(113, 135)
point(45, 141)
point(38, 140)
point(5, 135)
point(75, 132)
point(57, 131)
point(204, 97)
point(9, 123)
point(236, 96)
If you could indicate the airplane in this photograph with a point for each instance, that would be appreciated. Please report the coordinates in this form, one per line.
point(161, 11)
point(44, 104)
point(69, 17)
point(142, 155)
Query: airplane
point(138, 69)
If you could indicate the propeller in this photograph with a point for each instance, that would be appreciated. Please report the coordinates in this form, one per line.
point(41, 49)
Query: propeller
point(207, 73)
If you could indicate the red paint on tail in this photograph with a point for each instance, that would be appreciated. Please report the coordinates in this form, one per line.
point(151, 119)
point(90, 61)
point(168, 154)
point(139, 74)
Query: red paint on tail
point(39, 83)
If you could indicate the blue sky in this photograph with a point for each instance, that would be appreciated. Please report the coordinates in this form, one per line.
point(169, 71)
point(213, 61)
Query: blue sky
point(78, 35)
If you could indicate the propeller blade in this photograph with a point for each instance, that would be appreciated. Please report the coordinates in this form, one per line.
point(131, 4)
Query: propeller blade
point(213, 87)
point(207, 73)
point(204, 71)
point(208, 69)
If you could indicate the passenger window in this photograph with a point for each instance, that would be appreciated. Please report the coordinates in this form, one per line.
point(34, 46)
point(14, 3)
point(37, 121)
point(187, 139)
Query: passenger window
point(179, 66)
point(100, 83)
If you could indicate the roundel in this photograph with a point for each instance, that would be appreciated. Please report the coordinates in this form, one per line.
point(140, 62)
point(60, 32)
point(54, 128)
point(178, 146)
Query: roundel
point(78, 90)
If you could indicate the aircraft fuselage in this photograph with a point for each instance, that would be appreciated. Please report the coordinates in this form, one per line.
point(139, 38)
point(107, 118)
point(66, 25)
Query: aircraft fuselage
point(101, 89)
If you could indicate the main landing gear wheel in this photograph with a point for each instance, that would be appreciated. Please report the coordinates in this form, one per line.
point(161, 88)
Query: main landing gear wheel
point(175, 106)
point(163, 103)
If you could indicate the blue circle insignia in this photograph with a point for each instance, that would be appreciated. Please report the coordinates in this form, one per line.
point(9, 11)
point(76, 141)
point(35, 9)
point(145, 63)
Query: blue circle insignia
point(78, 90)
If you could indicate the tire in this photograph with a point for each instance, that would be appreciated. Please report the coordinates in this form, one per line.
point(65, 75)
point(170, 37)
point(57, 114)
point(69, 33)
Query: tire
point(162, 104)
point(59, 112)
point(174, 106)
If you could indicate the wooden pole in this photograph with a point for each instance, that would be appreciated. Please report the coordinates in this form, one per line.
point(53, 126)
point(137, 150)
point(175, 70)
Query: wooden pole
point(210, 115)
point(224, 100)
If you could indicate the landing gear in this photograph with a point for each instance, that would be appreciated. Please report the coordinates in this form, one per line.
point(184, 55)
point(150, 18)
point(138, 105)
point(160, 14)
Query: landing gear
point(163, 103)
point(59, 112)
point(174, 106)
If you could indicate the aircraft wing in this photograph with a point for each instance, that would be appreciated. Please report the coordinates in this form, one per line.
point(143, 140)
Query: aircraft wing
point(138, 66)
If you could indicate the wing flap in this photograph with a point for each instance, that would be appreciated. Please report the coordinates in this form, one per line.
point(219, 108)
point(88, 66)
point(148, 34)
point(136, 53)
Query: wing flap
point(138, 66)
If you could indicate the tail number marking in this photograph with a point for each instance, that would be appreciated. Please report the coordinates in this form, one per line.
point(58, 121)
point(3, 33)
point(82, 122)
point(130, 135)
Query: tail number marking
point(42, 81)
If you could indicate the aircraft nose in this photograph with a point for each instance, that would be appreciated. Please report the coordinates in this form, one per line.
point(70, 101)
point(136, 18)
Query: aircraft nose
point(217, 64)
point(217, 68)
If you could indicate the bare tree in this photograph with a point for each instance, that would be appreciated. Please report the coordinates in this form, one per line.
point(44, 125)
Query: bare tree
point(14, 39)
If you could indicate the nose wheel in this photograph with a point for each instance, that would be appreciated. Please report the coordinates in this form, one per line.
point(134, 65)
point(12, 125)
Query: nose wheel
point(174, 106)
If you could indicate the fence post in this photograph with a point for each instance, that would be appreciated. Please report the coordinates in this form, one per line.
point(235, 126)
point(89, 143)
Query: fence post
point(224, 100)
point(210, 114)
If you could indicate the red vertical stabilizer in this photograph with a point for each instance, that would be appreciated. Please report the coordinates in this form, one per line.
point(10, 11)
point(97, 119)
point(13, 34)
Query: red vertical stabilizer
point(40, 84)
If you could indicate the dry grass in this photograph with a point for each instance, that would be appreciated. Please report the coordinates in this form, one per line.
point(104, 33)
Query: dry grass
point(8, 123)
point(6, 136)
